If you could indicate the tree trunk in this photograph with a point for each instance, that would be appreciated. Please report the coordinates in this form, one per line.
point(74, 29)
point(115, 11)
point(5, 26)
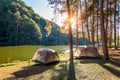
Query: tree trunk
point(115, 24)
point(83, 38)
point(118, 23)
point(106, 17)
point(93, 26)
point(83, 34)
point(70, 29)
point(77, 38)
point(87, 22)
point(103, 34)
point(97, 26)
point(110, 40)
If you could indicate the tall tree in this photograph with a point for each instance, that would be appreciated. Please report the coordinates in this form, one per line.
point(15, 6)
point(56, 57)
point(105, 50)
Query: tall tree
point(106, 17)
point(70, 29)
point(103, 34)
point(110, 37)
point(118, 22)
point(82, 22)
point(77, 35)
point(115, 24)
point(93, 24)
point(97, 23)
point(87, 21)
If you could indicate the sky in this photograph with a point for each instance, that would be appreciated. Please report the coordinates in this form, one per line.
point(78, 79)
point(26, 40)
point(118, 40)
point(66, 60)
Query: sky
point(42, 8)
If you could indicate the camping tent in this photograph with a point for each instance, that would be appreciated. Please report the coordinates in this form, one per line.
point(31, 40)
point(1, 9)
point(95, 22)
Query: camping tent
point(86, 52)
point(45, 56)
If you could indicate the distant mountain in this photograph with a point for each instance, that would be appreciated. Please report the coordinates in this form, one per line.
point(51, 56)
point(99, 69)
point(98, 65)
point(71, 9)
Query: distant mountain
point(19, 25)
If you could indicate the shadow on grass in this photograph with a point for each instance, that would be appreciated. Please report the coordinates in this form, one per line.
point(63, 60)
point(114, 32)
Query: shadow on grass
point(112, 70)
point(60, 72)
point(64, 71)
point(112, 66)
point(71, 71)
point(32, 70)
point(115, 54)
point(115, 61)
point(112, 49)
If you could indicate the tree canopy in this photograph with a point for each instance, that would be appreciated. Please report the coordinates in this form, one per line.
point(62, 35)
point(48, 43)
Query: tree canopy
point(20, 25)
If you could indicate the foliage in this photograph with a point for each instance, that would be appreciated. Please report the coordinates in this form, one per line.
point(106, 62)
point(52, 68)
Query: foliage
point(17, 25)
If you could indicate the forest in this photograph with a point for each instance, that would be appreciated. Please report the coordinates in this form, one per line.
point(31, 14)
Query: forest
point(85, 47)
point(96, 20)
point(20, 25)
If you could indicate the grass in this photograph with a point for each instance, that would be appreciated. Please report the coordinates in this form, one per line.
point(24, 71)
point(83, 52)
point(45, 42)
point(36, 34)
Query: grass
point(16, 53)
point(78, 69)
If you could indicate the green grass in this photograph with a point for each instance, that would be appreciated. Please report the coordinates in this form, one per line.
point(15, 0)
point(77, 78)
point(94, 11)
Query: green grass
point(14, 53)
point(79, 69)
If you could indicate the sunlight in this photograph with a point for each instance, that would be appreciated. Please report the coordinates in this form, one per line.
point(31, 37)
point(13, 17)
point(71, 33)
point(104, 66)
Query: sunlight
point(72, 20)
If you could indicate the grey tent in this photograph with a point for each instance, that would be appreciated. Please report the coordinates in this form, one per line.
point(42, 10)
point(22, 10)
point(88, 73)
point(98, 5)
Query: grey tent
point(86, 52)
point(45, 56)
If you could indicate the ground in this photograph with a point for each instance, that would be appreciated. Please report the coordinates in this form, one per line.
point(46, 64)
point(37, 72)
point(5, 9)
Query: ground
point(78, 69)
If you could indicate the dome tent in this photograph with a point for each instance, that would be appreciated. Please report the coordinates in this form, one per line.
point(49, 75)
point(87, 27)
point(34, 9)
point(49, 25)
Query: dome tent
point(45, 56)
point(86, 52)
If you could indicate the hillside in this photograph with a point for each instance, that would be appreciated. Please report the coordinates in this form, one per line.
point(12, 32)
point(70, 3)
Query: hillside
point(20, 25)
point(17, 23)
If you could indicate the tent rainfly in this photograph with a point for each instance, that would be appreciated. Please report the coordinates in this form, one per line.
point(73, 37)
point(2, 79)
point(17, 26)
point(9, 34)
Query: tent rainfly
point(45, 56)
point(86, 52)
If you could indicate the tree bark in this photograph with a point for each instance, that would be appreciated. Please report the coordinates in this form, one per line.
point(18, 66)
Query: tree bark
point(77, 38)
point(93, 25)
point(97, 26)
point(115, 24)
point(83, 37)
point(106, 17)
point(118, 23)
point(87, 22)
point(110, 40)
point(103, 34)
point(70, 29)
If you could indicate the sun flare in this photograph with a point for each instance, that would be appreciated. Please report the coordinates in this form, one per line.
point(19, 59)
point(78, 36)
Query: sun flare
point(72, 20)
